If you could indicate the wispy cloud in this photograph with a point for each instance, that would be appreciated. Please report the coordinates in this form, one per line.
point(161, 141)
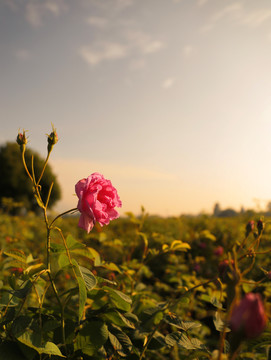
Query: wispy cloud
point(202, 2)
point(168, 83)
point(256, 18)
point(35, 11)
point(11, 4)
point(238, 13)
point(23, 54)
point(144, 42)
point(96, 21)
point(188, 50)
point(132, 43)
point(104, 51)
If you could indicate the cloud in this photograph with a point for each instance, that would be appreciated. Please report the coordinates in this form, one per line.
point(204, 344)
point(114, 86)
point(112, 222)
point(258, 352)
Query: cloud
point(202, 2)
point(168, 83)
point(23, 54)
point(131, 43)
point(256, 18)
point(236, 12)
point(11, 4)
point(188, 50)
point(137, 64)
point(36, 11)
point(104, 51)
point(143, 42)
point(96, 21)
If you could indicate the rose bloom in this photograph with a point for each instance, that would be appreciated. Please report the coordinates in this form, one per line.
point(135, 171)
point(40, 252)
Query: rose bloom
point(97, 201)
point(248, 316)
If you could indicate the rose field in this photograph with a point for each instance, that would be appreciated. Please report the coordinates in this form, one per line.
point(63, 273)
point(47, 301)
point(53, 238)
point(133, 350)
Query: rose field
point(88, 284)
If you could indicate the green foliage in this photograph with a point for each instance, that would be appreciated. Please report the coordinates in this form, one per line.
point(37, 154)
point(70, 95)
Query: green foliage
point(142, 288)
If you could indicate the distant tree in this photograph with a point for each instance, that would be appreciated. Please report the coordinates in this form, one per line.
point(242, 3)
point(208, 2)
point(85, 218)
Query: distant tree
point(227, 213)
point(217, 209)
point(14, 182)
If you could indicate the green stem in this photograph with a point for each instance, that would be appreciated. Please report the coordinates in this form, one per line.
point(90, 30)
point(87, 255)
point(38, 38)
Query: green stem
point(64, 213)
point(24, 163)
point(44, 166)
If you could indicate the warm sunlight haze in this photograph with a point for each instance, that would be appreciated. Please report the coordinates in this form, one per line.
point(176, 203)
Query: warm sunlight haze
point(170, 100)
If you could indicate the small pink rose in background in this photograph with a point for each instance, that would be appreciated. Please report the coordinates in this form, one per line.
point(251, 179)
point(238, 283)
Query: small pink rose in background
point(218, 251)
point(248, 316)
point(97, 201)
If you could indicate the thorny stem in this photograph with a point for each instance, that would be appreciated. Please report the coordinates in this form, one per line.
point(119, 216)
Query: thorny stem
point(25, 166)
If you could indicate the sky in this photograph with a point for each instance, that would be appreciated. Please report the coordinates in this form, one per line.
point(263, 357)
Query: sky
point(169, 99)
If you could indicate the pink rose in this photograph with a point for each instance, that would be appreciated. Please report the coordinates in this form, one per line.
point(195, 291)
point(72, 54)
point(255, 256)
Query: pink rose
point(248, 317)
point(97, 200)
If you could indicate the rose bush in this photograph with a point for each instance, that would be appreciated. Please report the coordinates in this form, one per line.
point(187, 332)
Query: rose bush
point(97, 201)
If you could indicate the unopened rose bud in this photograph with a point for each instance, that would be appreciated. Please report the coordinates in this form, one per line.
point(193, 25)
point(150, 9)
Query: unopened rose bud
point(260, 226)
point(218, 251)
point(250, 227)
point(248, 319)
point(21, 140)
point(52, 139)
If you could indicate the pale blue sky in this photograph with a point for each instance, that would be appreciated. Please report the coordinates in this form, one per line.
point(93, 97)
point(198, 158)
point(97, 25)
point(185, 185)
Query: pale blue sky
point(171, 100)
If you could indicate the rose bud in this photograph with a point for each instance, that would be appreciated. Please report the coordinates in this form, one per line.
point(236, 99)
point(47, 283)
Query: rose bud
point(97, 201)
point(250, 226)
point(17, 270)
point(21, 140)
point(218, 251)
point(260, 226)
point(52, 139)
point(248, 319)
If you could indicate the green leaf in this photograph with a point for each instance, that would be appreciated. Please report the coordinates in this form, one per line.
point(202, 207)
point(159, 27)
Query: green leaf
point(74, 244)
point(219, 323)
point(116, 344)
point(82, 296)
point(182, 340)
point(178, 245)
point(120, 341)
point(22, 292)
point(119, 299)
point(115, 317)
point(63, 261)
point(88, 277)
point(81, 287)
point(157, 342)
point(31, 340)
point(89, 253)
point(174, 320)
point(56, 248)
point(20, 324)
point(92, 337)
point(111, 266)
point(16, 254)
point(207, 235)
point(8, 317)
